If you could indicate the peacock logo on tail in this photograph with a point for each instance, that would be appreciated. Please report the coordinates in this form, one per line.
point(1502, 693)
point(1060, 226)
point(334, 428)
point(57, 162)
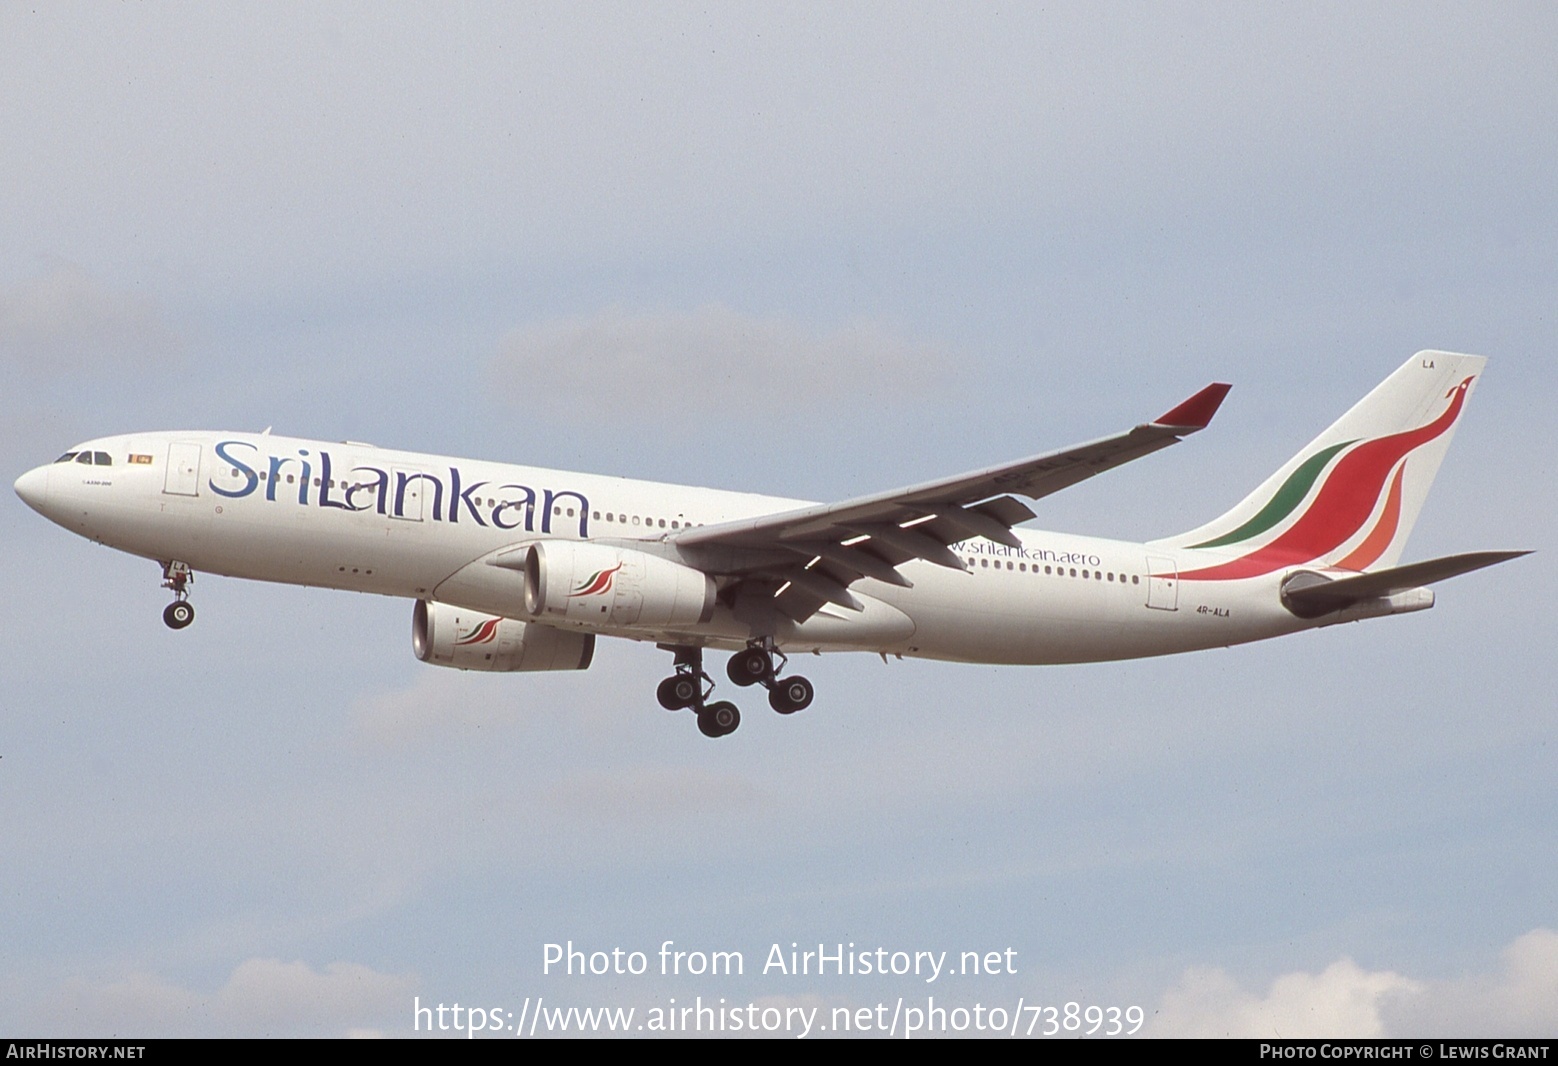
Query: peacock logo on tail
point(1354, 476)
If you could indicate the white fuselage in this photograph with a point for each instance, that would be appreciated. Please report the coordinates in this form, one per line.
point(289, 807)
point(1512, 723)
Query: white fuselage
point(352, 516)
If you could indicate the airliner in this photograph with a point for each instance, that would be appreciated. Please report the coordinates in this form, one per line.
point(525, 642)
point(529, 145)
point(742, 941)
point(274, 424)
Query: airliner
point(514, 568)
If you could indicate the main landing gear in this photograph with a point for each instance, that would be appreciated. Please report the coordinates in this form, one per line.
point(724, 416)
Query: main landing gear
point(755, 666)
point(691, 687)
point(178, 577)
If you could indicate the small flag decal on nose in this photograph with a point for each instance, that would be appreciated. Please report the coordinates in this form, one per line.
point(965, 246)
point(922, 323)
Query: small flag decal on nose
point(141, 460)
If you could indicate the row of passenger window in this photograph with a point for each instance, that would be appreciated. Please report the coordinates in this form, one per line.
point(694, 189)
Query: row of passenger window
point(622, 519)
point(1058, 571)
point(88, 458)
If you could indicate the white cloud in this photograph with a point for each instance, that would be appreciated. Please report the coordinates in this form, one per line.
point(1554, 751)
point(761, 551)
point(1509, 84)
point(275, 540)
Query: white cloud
point(1345, 1000)
point(52, 321)
point(1519, 1000)
point(683, 364)
point(262, 997)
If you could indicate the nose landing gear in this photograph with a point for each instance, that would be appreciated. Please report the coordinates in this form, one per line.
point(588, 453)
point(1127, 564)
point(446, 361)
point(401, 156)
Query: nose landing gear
point(178, 577)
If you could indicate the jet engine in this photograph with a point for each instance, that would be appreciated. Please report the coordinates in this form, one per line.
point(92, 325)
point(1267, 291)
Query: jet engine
point(600, 585)
point(466, 640)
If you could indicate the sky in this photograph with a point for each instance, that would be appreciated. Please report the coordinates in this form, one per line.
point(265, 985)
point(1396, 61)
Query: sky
point(814, 251)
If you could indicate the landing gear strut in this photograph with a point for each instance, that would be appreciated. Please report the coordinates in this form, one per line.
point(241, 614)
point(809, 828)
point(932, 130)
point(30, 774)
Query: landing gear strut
point(756, 666)
point(178, 577)
point(691, 687)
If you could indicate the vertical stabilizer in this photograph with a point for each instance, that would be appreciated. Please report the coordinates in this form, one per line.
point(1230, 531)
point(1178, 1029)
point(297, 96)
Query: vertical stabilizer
point(1349, 498)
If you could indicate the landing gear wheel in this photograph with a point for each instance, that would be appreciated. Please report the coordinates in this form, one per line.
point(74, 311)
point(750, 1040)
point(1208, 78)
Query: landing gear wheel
point(791, 695)
point(719, 719)
point(678, 692)
point(750, 666)
point(177, 577)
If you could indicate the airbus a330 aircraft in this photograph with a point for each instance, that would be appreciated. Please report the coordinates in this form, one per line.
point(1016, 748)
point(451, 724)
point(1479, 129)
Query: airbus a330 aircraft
point(516, 568)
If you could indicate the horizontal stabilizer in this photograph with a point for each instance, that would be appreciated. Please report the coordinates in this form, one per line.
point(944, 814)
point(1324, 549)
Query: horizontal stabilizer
point(1322, 597)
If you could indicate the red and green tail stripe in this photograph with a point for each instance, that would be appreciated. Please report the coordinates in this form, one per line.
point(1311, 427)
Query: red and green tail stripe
point(1288, 497)
point(1348, 496)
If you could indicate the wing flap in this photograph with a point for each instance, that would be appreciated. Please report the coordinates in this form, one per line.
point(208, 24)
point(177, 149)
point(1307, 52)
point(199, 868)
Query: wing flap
point(912, 543)
point(1008, 510)
point(857, 561)
point(797, 603)
point(972, 522)
point(825, 588)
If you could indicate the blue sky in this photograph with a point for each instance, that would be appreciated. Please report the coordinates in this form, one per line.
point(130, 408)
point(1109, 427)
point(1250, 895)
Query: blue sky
point(812, 251)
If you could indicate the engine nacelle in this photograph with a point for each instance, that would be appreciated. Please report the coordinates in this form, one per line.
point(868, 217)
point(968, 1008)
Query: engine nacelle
point(599, 585)
point(467, 640)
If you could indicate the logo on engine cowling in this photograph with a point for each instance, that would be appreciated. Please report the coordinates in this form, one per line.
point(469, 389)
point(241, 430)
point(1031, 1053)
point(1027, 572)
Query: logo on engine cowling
point(482, 634)
point(597, 583)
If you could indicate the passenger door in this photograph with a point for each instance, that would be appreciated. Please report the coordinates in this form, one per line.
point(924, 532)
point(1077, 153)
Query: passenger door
point(1162, 584)
point(183, 476)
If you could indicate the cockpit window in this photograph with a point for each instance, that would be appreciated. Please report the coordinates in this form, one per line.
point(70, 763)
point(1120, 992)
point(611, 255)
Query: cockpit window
point(87, 458)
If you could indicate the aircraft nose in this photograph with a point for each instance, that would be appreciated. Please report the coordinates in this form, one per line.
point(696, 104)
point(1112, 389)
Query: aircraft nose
point(33, 488)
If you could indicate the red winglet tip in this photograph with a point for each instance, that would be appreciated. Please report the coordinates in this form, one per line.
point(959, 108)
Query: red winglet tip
point(1197, 411)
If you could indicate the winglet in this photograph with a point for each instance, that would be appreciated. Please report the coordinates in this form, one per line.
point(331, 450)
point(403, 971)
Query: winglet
point(1197, 411)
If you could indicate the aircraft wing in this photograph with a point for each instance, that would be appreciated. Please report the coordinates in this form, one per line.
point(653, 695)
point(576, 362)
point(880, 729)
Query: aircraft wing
point(812, 555)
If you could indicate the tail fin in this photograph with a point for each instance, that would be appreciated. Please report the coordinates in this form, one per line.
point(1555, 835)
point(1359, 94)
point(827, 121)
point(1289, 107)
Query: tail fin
point(1350, 498)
